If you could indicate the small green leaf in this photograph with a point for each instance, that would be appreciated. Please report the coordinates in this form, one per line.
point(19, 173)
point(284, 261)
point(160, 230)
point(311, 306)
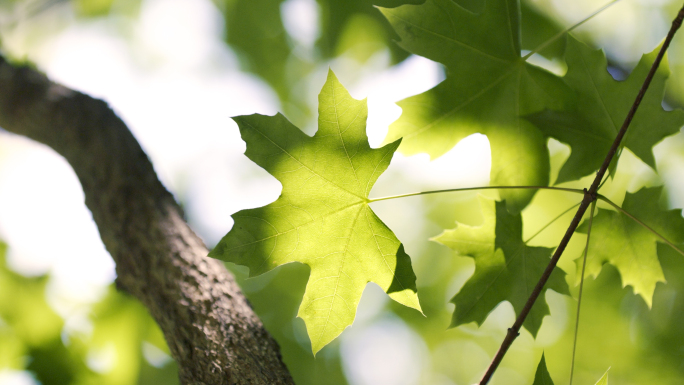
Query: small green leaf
point(630, 247)
point(604, 379)
point(542, 377)
point(488, 88)
point(506, 269)
point(602, 106)
point(322, 217)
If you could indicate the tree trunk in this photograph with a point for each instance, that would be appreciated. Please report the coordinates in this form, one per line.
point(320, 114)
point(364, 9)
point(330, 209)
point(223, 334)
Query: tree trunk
point(211, 330)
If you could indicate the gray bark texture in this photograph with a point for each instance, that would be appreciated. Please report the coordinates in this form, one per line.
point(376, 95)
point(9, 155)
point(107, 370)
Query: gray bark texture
point(211, 330)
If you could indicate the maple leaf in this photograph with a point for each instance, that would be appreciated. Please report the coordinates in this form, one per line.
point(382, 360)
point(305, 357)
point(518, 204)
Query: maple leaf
point(629, 246)
point(489, 86)
point(506, 269)
point(602, 104)
point(542, 376)
point(322, 217)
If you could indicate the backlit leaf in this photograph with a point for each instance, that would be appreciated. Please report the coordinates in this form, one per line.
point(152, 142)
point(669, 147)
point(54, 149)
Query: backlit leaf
point(602, 106)
point(322, 218)
point(604, 379)
point(630, 247)
point(488, 88)
point(506, 269)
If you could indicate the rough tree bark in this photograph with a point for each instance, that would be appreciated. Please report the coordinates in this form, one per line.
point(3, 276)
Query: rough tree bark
point(210, 328)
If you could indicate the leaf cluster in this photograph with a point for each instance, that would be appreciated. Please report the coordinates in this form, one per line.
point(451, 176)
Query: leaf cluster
point(324, 220)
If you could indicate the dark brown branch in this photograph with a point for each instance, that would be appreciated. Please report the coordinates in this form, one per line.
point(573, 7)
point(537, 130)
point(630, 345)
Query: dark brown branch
point(209, 326)
point(589, 197)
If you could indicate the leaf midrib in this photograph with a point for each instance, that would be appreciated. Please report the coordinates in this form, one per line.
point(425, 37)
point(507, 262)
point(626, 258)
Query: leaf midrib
point(339, 273)
point(296, 228)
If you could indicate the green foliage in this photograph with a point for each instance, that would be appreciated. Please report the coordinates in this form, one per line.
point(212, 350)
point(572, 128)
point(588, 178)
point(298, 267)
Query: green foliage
point(487, 90)
point(542, 376)
point(601, 106)
point(279, 315)
point(322, 218)
point(506, 269)
point(629, 246)
point(256, 30)
point(32, 337)
point(93, 7)
point(603, 380)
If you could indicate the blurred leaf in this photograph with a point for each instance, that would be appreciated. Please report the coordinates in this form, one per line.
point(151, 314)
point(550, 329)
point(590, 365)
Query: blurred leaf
point(604, 379)
point(338, 17)
point(361, 38)
point(488, 87)
point(256, 30)
point(602, 105)
point(93, 8)
point(506, 269)
point(23, 306)
point(120, 326)
point(542, 376)
point(630, 247)
point(12, 349)
point(322, 218)
point(53, 364)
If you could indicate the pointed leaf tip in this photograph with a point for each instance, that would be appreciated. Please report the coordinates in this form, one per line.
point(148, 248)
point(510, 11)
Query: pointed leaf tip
point(542, 376)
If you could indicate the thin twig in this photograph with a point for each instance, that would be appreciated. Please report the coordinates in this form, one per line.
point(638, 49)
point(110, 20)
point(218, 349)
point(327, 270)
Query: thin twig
point(589, 197)
point(562, 33)
point(581, 286)
point(572, 190)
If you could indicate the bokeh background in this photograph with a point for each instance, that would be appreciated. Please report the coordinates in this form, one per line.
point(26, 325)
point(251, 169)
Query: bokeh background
point(177, 70)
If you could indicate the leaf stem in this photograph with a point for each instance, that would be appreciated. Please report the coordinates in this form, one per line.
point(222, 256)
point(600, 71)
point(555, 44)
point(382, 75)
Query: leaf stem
point(637, 220)
point(560, 34)
point(574, 190)
point(553, 220)
point(579, 297)
point(589, 197)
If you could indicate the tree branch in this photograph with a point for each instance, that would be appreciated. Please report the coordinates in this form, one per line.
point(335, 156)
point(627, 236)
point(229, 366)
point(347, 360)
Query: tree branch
point(208, 324)
point(589, 196)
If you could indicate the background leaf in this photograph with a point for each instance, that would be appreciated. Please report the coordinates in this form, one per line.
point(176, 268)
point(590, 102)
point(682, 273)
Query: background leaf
point(604, 379)
point(542, 376)
point(488, 87)
point(602, 105)
point(506, 269)
point(630, 247)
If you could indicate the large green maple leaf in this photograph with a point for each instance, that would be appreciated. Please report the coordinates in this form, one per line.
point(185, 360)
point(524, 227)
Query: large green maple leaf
point(602, 104)
point(489, 86)
point(322, 217)
point(630, 247)
point(506, 269)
